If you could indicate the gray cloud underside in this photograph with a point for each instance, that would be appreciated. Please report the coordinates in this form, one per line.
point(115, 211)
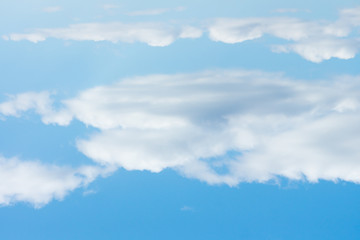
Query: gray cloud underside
point(221, 127)
point(313, 40)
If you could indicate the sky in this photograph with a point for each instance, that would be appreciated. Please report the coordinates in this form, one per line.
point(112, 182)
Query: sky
point(179, 120)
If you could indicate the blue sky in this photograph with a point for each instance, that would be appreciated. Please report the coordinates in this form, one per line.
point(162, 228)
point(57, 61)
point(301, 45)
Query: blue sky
point(181, 120)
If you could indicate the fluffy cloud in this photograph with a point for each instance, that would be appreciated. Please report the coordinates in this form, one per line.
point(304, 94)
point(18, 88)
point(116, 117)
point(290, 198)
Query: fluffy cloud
point(37, 183)
point(240, 30)
point(348, 19)
point(153, 34)
point(225, 126)
point(324, 49)
point(314, 40)
point(39, 102)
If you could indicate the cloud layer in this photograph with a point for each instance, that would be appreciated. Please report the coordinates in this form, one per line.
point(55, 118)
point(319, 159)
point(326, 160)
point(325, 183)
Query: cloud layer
point(153, 34)
point(315, 41)
point(225, 126)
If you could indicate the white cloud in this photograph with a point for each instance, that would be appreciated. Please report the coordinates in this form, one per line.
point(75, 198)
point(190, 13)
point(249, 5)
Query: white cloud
point(314, 40)
point(347, 23)
point(225, 126)
point(324, 49)
point(38, 184)
point(190, 32)
point(308, 147)
point(24, 102)
point(240, 30)
point(346, 105)
point(52, 9)
point(153, 34)
point(39, 102)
